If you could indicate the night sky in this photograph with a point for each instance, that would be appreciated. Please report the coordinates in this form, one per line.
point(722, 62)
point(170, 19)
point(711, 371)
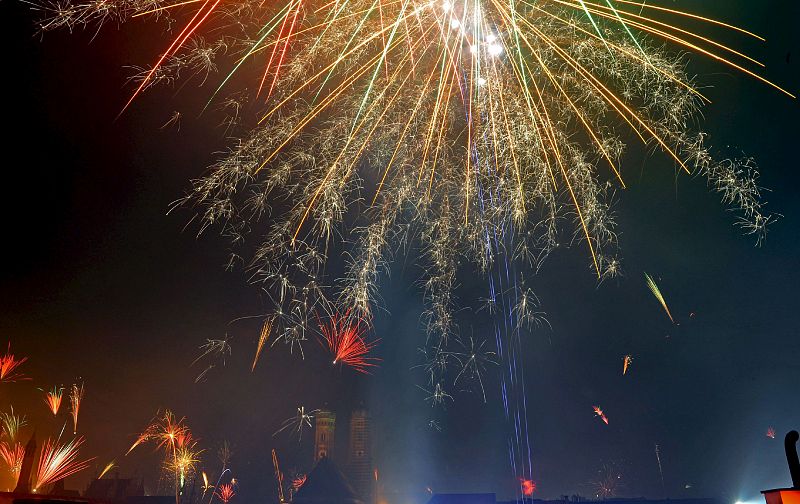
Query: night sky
point(99, 283)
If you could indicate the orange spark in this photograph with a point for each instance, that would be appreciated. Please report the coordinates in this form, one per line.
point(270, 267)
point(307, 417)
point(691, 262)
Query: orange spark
point(266, 329)
point(53, 399)
point(599, 412)
point(626, 363)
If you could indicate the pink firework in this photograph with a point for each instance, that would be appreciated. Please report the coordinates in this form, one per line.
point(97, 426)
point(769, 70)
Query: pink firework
point(771, 433)
point(344, 337)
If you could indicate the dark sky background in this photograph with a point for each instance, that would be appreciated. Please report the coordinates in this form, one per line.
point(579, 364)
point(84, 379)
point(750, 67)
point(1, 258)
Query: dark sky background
point(99, 283)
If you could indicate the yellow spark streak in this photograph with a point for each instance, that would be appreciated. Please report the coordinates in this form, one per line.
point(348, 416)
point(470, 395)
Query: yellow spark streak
point(449, 77)
point(336, 162)
point(708, 53)
point(610, 96)
point(321, 106)
point(633, 54)
point(378, 121)
point(311, 79)
point(567, 181)
point(402, 135)
point(262, 338)
point(603, 12)
point(657, 293)
point(159, 9)
point(693, 16)
point(105, 470)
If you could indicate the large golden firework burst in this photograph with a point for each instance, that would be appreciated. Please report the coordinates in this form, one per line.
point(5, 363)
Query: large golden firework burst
point(477, 129)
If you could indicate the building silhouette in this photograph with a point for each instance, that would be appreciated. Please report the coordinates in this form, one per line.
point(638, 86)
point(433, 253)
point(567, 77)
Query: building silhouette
point(24, 480)
point(326, 485)
point(360, 470)
point(324, 430)
point(114, 489)
point(357, 461)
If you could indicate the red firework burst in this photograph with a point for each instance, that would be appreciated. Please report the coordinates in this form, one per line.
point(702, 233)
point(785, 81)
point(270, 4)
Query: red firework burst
point(9, 365)
point(528, 487)
point(225, 493)
point(12, 454)
point(298, 481)
point(344, 337)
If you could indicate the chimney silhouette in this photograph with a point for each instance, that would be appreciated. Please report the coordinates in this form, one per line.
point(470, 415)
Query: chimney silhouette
point(24, 480)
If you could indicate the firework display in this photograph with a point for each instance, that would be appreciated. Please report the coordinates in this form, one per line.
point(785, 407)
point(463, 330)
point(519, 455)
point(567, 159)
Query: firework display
point(476, 137)
point(446, 124)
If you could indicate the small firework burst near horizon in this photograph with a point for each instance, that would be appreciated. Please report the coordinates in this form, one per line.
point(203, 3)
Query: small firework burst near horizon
point(11, 450)
point(608, 482)
point(225, 493)
point(180, 452)
point(528, 487)
point(57, 461)
point(344, 337)
point(12, 454)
